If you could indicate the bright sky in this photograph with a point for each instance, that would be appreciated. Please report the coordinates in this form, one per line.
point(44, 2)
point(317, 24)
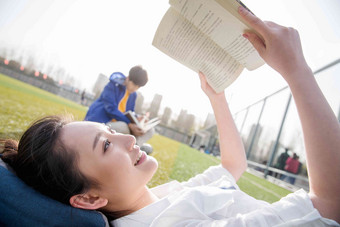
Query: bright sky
point(91, 37)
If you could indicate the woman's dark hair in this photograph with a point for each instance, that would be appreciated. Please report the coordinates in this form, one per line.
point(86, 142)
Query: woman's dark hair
point(138, 75)
point(42, 161)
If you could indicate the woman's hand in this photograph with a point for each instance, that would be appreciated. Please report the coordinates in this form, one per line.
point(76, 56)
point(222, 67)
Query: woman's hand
point(279, 46)
point(207, 89)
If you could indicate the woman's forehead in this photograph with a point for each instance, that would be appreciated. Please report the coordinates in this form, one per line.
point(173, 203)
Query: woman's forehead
point(85, 124)
point(80, 136)
point(82, 128)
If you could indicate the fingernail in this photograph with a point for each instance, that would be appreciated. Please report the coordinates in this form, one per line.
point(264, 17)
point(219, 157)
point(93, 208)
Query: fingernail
point(242, 10)
point(245, 36)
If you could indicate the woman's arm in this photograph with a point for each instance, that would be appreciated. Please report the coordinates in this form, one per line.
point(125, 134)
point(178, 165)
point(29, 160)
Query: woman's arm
point(281, 48)
point(233, 156)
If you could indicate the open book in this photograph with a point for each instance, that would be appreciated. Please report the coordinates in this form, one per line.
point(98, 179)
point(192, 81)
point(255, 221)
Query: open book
point(206, 36)
point(143, 124)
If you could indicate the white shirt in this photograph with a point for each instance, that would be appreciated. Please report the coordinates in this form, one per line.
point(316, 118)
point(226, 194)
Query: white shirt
point(214, 199)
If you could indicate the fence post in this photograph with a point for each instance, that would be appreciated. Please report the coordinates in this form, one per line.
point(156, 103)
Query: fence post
point(278, 137)
point(256, 128)
point(244, 120)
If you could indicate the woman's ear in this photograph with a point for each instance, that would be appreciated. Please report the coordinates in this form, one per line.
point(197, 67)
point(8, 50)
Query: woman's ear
point(88, 201)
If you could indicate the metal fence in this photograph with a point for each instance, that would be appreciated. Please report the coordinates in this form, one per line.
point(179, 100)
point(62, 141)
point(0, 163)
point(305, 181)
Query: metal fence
point(173, 134)
point(271, 125)
point(47, 86)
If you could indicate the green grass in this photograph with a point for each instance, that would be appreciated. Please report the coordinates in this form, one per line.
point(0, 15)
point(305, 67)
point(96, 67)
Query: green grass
point(261, 189)
point(181, 162)
point(190, 162)
point(165, 151)
point(21, 103)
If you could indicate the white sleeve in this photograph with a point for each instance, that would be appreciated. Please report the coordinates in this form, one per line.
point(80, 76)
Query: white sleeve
point(295, 209)
point(257, 221)
point(212, 174)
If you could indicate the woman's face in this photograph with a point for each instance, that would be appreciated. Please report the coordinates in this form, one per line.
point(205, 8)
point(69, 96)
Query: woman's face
point(112, 159)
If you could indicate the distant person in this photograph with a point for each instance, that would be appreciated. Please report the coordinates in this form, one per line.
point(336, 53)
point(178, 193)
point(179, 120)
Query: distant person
point(82, 98)
point(261, 169)
point(216, 150)
point(299, 170)
point(281, 161)
point(119, 96)
point(292, 166)
point(202, 148)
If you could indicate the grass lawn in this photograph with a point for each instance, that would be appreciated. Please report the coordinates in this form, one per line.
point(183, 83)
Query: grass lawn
point(21, 103)
point(180, 162)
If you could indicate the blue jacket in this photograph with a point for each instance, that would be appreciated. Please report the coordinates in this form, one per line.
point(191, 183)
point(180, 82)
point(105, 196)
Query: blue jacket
point(105, 108)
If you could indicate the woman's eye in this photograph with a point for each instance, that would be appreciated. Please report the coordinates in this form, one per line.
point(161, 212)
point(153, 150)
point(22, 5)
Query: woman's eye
point(111, 130)
point(106, 144)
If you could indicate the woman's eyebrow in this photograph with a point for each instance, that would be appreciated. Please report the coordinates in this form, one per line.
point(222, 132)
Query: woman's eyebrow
point(96, 140)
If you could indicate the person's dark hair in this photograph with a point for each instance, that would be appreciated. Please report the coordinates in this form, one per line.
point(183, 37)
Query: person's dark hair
point(138, 75)
point(41, 160)
point(295, 156)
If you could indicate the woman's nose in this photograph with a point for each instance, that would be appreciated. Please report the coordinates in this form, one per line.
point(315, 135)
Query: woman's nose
point(129, 141)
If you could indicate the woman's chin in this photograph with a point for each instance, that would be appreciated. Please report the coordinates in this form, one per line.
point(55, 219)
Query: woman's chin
point(154, 163)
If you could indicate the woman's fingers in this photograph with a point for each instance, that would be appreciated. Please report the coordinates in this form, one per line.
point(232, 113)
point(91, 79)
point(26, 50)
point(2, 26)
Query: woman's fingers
point(256, 41)
point(259, 26)
point(253, 21)
point(201, 75)
point(279, 46)
point(207, 89)
point(203, 81)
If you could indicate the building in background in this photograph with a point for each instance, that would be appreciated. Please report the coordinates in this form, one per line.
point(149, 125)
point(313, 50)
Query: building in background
point(180, 120)
point(251, 143)
point(207, 138)
point(185, 122)
point(166, 116)
point(155, 106)
point(189, 124)
point(139, 103)
point(209, 121)
point(98, 87)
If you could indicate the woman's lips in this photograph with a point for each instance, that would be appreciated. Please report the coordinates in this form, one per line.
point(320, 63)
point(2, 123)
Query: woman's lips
point(142, 158)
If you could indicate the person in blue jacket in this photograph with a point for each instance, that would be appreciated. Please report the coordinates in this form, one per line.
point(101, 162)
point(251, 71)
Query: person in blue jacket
point(119, 96)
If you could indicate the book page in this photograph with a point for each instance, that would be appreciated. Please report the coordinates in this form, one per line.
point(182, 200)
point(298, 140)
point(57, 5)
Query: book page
point(222, 26)
point(150, 124)
point(132, 117)
point(143, 124)
point(180, 40)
